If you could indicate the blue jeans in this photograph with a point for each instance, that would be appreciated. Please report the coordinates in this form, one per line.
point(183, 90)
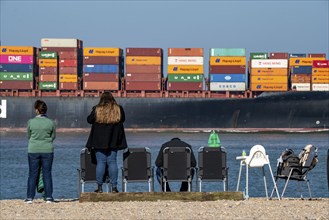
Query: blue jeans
point(110, 158)
point(46, 162)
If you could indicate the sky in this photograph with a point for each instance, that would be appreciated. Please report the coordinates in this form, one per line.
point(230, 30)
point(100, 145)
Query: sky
point(259, 26)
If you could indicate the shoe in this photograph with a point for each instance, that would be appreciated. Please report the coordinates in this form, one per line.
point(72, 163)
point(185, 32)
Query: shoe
point(99, 189)
point(115, 189)
point(28, 201)
point(50, 200)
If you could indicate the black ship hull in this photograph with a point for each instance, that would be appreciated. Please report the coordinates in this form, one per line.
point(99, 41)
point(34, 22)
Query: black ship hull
point(271, 110)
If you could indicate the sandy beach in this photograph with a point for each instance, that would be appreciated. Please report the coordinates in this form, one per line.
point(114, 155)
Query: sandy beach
point(254, 208)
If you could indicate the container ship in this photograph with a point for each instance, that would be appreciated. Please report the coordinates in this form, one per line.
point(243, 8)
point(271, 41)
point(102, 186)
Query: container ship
point(270, 90)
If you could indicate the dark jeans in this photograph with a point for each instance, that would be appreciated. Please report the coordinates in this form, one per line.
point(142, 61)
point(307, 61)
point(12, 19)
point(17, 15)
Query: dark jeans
point(184, 185)
point(46, 161)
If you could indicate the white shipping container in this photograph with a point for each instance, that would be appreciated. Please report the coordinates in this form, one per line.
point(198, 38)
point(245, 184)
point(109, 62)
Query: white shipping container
point(320, 87)
point(185, 60)
point(269, 63)
point(301, 86)
point(223, 86)
point(59, 42)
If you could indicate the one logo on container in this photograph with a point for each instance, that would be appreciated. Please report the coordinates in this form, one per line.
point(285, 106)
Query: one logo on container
point(258, 86)
point(91, 51)
point(228, 78)
point(4, 50)
point(217, 60)
point(297, 61)
point(175, 68)
point(3, 109)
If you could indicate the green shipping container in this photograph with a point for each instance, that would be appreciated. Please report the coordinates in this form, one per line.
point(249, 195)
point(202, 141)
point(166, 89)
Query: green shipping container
point(185, 77)
point(228, 52)
point(47, 55)
point(16, 76)
point(48, 86)
point(259, 55)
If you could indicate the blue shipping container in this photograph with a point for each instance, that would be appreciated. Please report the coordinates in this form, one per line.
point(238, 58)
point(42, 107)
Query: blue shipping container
point(301, 69)
point(101, 68)
point(16, 68)
point(297, 55)
point(227, 77)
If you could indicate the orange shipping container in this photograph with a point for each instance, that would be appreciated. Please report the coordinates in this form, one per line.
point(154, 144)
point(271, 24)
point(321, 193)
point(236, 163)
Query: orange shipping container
point(17, 50)
point(143, 60)
point(320, 79)
point(269, 79)
point(48, 78)
point(64, 78)
point(185, 52)
point(303, 61)
point(102, 51)
point(300, 78)
point(320, 71)
point(275, 87)
point(190, 69)
point(218, 61)
point(101, 85)
point(48, 62)
point(269, 71)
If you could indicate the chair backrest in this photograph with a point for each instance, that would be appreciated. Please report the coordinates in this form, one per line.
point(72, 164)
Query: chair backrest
point(257, 156)
point(308, 158)
point(212, 163)
point(177, 163)
point(88, 169)
point(137, 164)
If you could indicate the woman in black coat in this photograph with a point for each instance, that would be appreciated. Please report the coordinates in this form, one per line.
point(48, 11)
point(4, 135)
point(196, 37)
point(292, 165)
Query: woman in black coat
point(107, 136)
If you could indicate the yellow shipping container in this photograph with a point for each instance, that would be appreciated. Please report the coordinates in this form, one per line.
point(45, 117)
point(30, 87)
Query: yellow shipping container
point(102, 51)
point(64, 78)
point(17, 50)
point(269, 79)
point(275, 87)
point(303, 61)
point(269, 71)
point(221, 61)
point(320, 71)
point(143, 60)
point(189, 69)
point(320, 79)
point(48, 62)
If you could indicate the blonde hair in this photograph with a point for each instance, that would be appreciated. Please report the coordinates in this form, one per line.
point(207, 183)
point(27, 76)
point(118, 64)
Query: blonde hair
point(107, 110)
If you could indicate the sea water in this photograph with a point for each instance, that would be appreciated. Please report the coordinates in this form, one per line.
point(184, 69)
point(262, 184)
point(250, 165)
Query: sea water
point(14, 164)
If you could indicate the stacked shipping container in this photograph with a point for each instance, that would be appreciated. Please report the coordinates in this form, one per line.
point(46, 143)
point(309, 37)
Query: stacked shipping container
point(301, 72)
point(144, 69)
point(48, 70)
point(268, 74)
point(102, 68)
point(185, 69)
point(70, 60)
point(17, 67)
point(320, 75)
point(227, 69)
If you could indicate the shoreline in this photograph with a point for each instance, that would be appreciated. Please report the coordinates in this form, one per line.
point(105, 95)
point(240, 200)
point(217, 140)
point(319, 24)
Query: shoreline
point(254, 208)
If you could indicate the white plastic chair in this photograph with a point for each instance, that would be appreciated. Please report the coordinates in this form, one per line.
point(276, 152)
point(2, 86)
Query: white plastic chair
point(257, 158)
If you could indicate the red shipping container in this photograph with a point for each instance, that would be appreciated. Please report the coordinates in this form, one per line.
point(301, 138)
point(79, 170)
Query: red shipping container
point(185, 52)
point(61, 49)
point(143, 69)
point(227, 69)
point(320, 63)
point(316, 55)
point(14, 84)
point(68, 63)
point(68, 86)
point(185, 86)
point(279, 56)
point(47, 78)
point(65, 70)
point(100, 77)
point(101, 85)
point(143, 52)
point(145, 77)
point(143, 86)
point(68, 55)
point(100, 60)
point(48, 70)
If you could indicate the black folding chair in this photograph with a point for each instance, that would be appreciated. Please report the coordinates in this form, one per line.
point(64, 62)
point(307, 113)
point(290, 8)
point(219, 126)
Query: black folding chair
point(212, 166)
point(297, 170)
point(87, 171)
point(137, 167)
point(177, 166)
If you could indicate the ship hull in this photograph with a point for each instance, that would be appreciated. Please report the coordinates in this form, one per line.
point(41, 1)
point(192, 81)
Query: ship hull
point(277, 110)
